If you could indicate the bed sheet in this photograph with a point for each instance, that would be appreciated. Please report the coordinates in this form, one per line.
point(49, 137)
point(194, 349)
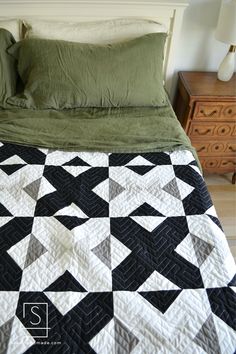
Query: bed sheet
point(111, 253)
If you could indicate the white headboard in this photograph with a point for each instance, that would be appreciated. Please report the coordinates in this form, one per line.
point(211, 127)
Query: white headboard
point(167, 12)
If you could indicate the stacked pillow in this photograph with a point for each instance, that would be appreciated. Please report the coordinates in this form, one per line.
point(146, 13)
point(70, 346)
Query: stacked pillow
point(58, 74)
point(95, 32)
point(10, 31)
point(8, 70)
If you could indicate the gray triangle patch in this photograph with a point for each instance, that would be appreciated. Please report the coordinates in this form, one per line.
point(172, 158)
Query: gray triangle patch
point(103, 251)
point(114, 189)
point(33, 189)
point(207, 337)
point(35, 250)
point(5, 333)
point(202, 249)
point(50, 151)
point(172, 189)
point(125, 340)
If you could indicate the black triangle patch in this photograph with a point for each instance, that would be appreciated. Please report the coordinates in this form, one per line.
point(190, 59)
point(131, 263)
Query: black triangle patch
point(141, 170)
point(70, 222)
point(193, 163)
point(162, 300)
point(76, 162)
point(233, 281)
point(10, 169)
point(66, 282)
point(215, 220)
point(145, 210)
point(4, 211)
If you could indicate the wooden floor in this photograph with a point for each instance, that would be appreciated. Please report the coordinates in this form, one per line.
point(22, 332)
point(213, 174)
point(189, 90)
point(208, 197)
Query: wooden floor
point(223, 194)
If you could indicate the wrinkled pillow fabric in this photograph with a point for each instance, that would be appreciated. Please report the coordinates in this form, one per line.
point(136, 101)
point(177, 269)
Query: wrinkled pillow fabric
point(8, 72)
point(59, 74)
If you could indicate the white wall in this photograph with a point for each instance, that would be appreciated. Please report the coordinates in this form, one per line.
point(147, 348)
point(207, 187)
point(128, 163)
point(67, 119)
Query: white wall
point(198, 48)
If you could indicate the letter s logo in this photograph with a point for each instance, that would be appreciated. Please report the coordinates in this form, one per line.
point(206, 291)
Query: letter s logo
point(36, 314)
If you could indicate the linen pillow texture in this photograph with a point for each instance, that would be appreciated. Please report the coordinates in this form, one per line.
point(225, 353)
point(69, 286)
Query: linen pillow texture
point(95, 32)
point(8, 72)
point(59, 74)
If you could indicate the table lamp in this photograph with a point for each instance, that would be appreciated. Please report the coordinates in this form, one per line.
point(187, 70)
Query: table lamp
point(226, 32)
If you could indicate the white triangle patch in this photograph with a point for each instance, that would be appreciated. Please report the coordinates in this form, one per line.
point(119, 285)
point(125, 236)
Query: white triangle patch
point(211, 211)
point(5, 219)
point(102, 190)
point(18, 252)
point(45, 188)
point(9, 300)
point(157, 282)
point(233, 288)
point(106, 335)
point(13, 160)
point(65, 300)
point(148, 222)
point(184, 188)
point(139, 161)
point(118, 252)
point(196, 169)
point(186, 250)
point(76, 170)
point(71, 210)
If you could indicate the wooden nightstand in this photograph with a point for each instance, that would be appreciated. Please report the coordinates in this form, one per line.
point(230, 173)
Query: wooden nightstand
point(206, 108)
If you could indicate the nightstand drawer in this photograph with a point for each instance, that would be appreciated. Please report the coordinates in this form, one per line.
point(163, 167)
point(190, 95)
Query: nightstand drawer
point(215, 110)
point(205, 130)
point(219, 164)
point(214, 148)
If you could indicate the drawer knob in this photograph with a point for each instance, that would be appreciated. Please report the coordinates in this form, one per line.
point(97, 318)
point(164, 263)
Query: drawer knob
point(223, 130)
point(230, 111)
point(232, 149)
point(209, 114)
point(202, 133)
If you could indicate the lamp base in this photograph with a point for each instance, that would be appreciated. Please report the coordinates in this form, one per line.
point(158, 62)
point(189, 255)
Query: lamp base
point(226, 68)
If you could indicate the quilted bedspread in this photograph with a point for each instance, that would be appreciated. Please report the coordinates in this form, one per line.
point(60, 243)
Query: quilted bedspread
point(111, 253)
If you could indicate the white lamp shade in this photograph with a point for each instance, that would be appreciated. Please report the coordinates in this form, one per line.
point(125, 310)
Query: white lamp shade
point(226, 28)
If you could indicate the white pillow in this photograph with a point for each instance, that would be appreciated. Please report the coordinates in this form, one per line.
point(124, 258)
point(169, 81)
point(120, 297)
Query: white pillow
point(12, 25)
point(99, 32)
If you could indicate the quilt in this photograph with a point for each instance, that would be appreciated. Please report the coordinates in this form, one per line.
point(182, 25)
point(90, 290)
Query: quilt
point(111, 253)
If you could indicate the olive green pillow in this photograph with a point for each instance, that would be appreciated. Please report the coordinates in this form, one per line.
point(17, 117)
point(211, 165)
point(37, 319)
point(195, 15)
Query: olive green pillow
point(59, 74)
point(8, 72)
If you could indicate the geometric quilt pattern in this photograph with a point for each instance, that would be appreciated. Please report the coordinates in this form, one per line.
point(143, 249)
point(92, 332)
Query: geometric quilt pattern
point(111, 253)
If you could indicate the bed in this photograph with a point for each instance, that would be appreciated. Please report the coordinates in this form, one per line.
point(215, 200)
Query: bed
point(109, 241)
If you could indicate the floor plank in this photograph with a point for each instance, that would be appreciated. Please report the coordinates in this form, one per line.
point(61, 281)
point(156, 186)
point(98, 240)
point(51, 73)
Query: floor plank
point(223, 195)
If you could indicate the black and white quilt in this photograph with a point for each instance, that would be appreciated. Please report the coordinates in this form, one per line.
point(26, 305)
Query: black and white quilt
point(111, 254)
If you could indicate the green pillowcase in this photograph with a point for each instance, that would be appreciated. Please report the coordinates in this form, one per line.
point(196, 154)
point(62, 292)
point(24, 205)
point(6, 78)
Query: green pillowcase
point(8, 72)
point(58, 74)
